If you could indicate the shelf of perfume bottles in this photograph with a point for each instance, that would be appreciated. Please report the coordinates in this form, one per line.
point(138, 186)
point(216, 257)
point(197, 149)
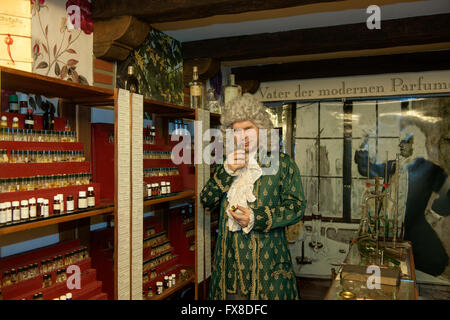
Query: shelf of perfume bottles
point(159, 260)
point(155, 239)
point(190, 233)
point(160, 248)
point(160, 172)
point(44, 182)
point(41, 156)
point(31, 135)
point(170, 284)
point(45, 267)
point(157, 155)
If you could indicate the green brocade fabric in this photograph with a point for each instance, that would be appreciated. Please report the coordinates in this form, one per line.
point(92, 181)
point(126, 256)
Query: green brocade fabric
point(259, 262)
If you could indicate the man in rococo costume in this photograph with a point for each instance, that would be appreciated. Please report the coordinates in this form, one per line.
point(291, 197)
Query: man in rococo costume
point(258, 199)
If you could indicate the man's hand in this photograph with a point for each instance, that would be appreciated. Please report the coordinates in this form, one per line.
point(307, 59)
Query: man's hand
point(242, 219)
point(236, 160)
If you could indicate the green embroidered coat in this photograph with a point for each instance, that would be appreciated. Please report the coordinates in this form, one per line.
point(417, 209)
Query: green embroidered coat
point(259, 262)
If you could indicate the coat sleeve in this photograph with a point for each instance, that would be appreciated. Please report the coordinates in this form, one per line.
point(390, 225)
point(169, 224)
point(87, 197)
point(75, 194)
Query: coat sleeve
point(215, 187)
point(292, 206)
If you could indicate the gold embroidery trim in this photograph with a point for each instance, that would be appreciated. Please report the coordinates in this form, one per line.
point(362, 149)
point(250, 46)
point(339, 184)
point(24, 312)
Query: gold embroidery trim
point(257, 264)
point(241, 279)
point(220, 183)
point(283, 273)
point(224, 235)
point(255, 268)
point(269, 219)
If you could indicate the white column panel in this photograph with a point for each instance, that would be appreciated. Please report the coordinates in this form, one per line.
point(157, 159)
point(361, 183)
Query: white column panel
point(122, 222)
point(137, 168)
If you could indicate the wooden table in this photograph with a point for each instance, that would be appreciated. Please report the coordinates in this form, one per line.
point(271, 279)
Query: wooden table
point(406, 290)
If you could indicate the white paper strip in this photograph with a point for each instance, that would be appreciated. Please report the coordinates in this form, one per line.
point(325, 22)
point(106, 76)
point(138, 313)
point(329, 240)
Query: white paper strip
point(123, 195)
point(137, 195)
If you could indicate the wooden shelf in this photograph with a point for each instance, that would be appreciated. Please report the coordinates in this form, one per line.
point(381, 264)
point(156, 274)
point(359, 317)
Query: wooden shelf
point(163, 109)
point(22, 81)
point(104, 207)
point(170, 291)
point(182, 195)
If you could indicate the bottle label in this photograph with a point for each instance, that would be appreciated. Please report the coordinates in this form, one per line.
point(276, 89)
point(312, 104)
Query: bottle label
point(196, 91)
point(45, 211)
point(3, 216)
point(31, 122)
point(56, 207)
point(14, 107)
point(70, 205)
point(82, 203)
point(16, 215)
point(33, 212)
point(149, 192)
point(8, 215)
point(91, 202)
point(24, 214)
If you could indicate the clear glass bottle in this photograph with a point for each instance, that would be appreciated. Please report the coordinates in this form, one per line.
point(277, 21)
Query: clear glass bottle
point(24, 210)
point(196, 90)
point(90, 197)
point(213, 103)
point(131, 82)
point(232, 90)
point(16, 211)
point(4, 122)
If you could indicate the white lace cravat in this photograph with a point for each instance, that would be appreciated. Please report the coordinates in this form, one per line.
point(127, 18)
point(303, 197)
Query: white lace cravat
point(241, 193)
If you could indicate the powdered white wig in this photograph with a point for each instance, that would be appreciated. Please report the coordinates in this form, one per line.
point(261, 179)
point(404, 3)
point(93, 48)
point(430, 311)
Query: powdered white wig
point(246, 108)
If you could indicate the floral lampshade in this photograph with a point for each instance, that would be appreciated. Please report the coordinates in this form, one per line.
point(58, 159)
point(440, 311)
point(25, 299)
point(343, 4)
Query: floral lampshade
point(15, 34)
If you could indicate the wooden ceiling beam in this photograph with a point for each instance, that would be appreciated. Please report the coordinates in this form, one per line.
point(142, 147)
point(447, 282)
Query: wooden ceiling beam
point(393, 33)
point(411, 62)
point(156, 11)
point(115, 38)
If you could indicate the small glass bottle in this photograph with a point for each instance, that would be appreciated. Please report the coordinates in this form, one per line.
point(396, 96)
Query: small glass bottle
point(61, 202)
point(6, 278)
point(196, 90)
point(168, 190)
point(15, 124)
point(4, 122)
point(23, 105)
point(32, 207)
point(70, 204)
point(82, 200)
point(29, 120)
point(166, 282)
point(14, 277)
point(24, 210)
point(2, 213)
point(58, 276)
point(69, 296)
point(131, 82)
point(45, 208)
point(232, 90)
point(159, 287)
point(8, 210)
point(149, 190)
point(24, 273)
point(16, 211)
point(13, 103)
point(56, 205)
point(90, 197)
